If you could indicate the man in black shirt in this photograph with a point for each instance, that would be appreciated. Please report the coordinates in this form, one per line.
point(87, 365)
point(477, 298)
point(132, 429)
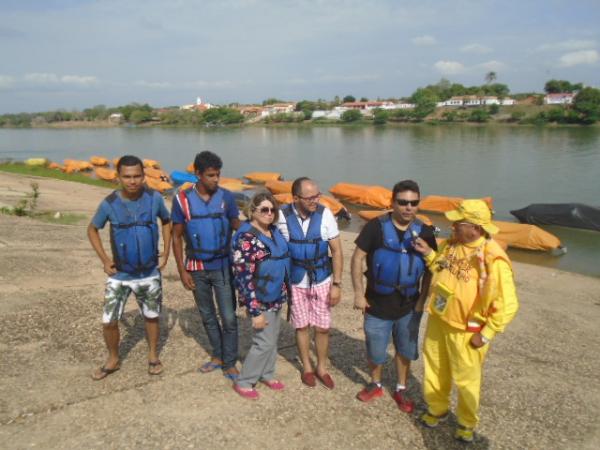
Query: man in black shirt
point(397, 286)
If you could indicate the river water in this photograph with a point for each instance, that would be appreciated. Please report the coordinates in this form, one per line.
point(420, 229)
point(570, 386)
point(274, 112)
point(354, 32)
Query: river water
point(515, 165)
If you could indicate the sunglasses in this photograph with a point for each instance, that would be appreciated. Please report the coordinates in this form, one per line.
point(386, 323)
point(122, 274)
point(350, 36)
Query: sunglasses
point(402, 202)
point(314, 198)
point(266, 210)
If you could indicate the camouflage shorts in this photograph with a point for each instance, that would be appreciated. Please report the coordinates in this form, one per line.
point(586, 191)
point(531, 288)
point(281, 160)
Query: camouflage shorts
point(148, 293)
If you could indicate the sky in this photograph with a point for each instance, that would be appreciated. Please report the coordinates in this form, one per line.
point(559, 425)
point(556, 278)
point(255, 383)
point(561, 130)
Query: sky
point(73, 54)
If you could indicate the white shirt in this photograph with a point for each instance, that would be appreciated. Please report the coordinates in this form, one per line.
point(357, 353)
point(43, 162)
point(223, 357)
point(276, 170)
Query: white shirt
point(329, 231)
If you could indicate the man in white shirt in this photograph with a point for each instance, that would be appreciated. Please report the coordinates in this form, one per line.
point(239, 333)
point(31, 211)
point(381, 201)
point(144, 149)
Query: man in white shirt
point(312, 232)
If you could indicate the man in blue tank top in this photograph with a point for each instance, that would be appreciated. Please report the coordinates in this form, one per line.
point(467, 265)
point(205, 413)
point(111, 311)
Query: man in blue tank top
point(312, 232)
point(204, 216)
point(397, 286)
point(135, 265)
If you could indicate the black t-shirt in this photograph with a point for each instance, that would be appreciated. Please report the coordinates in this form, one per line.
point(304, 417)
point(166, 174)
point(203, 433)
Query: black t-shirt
point(393, 306)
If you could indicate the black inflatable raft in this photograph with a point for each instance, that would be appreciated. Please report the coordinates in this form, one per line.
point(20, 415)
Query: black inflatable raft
point(575, 215)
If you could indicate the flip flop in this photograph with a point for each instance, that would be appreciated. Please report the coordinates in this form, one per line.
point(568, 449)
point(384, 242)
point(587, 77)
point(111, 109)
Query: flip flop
point(209, 367)
point(153, 365)
point(104, 372)
point(231, 376)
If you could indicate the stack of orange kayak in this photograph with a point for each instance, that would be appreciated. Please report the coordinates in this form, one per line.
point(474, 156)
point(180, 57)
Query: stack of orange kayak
point(279, 187)
point(158, 185)
point(529, 237)
point(151, 163)
point(372, 213)
point(72, 165)
point(440, 203)
point(262, 177)
point(99, 161)
point(374, 196)
point(335, 206)
point(115, 161)
point(105, 173)
point(233, 184)
point(151, 172)
point(54, 165)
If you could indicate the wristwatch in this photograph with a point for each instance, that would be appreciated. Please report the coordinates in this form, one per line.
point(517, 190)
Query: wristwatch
point(337, 284)
point(484, 339)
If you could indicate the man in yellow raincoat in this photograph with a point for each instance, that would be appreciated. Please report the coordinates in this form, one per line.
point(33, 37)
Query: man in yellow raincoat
point(472, 297)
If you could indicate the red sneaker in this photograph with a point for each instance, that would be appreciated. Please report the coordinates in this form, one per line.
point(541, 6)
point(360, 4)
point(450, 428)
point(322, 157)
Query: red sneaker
point(405, 404)
point(370, 392)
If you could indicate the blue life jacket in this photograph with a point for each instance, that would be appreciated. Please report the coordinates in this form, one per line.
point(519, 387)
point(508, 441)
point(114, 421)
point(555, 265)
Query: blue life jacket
point(134, 239)
point(208, 231)
point(397, 266)
point(309, 253)
point(273, 271)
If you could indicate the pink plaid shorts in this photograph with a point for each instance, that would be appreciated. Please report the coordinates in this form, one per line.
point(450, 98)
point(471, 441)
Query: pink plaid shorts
point(310, 306)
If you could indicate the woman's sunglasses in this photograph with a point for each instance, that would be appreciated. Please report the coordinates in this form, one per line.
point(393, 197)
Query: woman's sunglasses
point(266, 210)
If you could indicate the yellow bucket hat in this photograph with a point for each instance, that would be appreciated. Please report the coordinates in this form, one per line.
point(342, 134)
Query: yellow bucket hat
point(476, 212)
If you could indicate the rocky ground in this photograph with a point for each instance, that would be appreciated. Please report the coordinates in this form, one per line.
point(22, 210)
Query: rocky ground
point(541, 387)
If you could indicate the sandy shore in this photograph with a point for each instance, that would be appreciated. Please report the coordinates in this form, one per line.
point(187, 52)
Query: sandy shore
point(541, 388)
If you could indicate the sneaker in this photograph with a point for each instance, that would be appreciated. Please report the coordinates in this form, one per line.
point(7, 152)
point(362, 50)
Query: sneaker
point(431, 421)
point(274, 385)
point(463, 434)
point(404, 403)
point(370, 392)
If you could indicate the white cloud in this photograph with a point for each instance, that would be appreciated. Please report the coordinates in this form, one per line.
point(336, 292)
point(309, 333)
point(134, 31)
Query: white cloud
point(6, 82)
point(449, 67)
point(153, 84)
point(571, 44)
point(52, 79)
point(475, 48)
point(493, 66)
point(424, 40)
point(79, 80)
point(580, 57)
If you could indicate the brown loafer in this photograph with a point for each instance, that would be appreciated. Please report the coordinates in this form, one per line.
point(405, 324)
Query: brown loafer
point(326, 380)
point(308, 378)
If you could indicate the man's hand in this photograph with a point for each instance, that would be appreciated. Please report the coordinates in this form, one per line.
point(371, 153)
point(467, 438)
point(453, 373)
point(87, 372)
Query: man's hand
point(335, 295)
point(109, 267)
point(360, 302)
point(421, 246)
point(187, 280)
point(477, 341)
point(259, 322)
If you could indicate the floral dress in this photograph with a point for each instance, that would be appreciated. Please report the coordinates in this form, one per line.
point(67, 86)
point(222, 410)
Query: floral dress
point(248, 251)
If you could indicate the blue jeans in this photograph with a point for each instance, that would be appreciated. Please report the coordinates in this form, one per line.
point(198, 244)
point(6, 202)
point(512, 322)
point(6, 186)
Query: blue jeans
point(223, 337)
point(405, 331)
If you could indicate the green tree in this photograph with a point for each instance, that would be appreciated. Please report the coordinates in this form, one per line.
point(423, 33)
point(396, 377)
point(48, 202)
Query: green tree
point(271, 101)
point(348, 99)
point(364, 99)
point(380, 117)
point(558, 86)
point(140, 115)
point(494, 109)
point(425, 101)
point(479, 115)
point(587, 104)
point(352, 115)
point(490, 77)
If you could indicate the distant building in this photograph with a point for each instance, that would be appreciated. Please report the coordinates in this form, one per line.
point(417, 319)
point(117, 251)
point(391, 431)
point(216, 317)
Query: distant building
point(562, 98)
point(278, 108)
point(116, 118)
point(476, 100)
point(198, 106)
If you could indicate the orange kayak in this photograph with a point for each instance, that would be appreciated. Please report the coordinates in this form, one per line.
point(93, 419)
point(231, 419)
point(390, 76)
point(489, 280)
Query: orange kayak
point(525, 236)
point(279, 187)
point(335, 206)
point(105, 174)
point(262, 177)
point(440, 203)
point(54, 165)
point(361, 194)
point(151, 163)
point(158, 174)
point(372, 213)
point(72, 165)
point(158, 185)
point(99, 161)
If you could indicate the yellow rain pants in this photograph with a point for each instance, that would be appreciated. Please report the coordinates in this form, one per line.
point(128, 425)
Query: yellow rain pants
point(449, 357)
